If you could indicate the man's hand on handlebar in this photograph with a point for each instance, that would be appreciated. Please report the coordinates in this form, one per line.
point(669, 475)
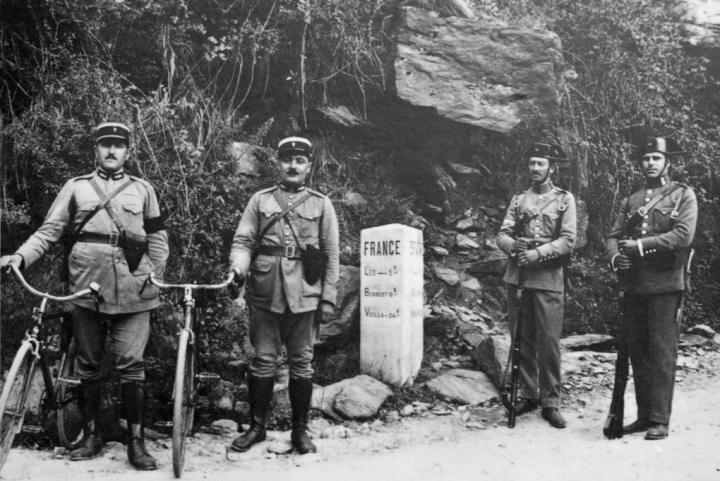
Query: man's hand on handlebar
point(239, 278)
point(10, 260)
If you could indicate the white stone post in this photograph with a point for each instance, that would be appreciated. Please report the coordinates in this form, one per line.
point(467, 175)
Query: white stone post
point(391, 303)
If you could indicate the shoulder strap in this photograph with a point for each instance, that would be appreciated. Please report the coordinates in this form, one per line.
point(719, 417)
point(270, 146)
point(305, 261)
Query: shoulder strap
point(281, 215)
point(103, 202)
point(642, 211)
point(526, 215)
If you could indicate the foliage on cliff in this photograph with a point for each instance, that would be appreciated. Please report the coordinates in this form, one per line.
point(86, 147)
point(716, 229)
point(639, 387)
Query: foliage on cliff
point(190, 77)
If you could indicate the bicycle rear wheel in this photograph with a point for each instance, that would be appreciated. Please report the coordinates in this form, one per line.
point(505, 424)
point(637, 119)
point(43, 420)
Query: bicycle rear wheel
point(184, 400)
point(70, 425)
point(13, 400)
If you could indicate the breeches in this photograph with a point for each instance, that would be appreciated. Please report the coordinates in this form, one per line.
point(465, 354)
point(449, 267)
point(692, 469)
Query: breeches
point(539, 333)
point(652, 331)
point(270, 330)
point(128, 336)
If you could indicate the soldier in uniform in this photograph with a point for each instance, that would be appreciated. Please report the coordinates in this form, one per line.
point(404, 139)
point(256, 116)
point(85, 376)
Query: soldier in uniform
point(649, 244)
point(99, 255)
point(538, 235)
point(283, 298)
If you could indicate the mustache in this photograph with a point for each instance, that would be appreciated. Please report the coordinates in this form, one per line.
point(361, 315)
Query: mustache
point(292, 172)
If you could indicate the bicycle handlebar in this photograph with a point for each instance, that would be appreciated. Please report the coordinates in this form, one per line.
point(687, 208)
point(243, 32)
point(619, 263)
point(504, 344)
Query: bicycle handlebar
point(93, 289)
point(227, 282)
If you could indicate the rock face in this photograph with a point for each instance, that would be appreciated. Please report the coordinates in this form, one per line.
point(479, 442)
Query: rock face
point(346, 322)
point(702, 22)
point(477, 71)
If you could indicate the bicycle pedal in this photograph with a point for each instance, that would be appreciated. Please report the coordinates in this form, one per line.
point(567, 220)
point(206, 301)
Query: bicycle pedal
point(67, 380)
point(31, 429)
point(207, 377)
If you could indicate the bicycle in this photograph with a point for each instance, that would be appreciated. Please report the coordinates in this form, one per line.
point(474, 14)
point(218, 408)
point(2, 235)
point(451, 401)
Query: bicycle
point(59, 388)
point(185, 389)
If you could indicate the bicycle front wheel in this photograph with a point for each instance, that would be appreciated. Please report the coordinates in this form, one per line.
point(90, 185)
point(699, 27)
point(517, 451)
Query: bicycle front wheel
point(184, 400)
point(70, 425)
point(14, 397)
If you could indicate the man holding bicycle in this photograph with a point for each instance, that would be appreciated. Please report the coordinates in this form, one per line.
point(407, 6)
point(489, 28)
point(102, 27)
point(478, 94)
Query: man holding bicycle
point(288, 240)
point(118, 238)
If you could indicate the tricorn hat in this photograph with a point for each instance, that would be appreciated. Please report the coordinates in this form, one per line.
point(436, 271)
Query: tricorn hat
point(552, 152)
point(295, 145)
point(112, 130)
point(663, 145)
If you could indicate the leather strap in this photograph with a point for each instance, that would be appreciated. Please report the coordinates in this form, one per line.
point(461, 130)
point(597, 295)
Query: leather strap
point(642, 211)
point(290, 252)
point(93, 237)
point(280, 216)
point(103, 201)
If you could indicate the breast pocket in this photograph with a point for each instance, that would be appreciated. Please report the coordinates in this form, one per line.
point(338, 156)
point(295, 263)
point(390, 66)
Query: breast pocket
point(308, 224)
point(662, 220)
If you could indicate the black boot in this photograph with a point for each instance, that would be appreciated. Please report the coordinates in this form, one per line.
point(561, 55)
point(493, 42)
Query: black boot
point(133, 399)
point(89, 397)
point(300, 399)
point(261, 393)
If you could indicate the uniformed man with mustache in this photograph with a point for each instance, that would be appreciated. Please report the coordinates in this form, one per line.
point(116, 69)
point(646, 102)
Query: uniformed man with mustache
point(283, 295)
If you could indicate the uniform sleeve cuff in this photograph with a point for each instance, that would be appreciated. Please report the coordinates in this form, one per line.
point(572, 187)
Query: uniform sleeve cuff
point(640, 248)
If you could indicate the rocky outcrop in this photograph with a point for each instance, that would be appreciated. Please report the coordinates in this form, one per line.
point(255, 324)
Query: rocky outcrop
point(701, 22)
point(481, 72)
point(346, 322)
point(464, 386)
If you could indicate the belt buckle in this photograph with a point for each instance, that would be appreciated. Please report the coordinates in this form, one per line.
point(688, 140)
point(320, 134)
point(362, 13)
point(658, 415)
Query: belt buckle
point(290, 251)
point(114, 238)
point(642, 211)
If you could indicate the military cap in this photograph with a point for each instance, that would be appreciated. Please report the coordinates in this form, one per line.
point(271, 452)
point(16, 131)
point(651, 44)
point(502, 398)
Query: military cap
point(552, 152)
point(662, 145)
point(296, 146)
point(112, 130)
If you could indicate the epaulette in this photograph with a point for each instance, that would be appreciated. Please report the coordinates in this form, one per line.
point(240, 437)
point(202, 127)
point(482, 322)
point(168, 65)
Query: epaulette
point(562, 191)
point(317, 193)
point(684, 186)
point(84, 177)
point(269, 189)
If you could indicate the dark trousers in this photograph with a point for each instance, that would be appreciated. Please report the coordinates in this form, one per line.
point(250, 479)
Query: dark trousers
point(652, 331)
point(128, 333)
point(542, 318)
point(270, 330)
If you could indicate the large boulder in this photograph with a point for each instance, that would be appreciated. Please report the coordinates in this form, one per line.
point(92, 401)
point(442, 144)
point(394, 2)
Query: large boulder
point(701, 21)
point(477, 71)
point(464, 386)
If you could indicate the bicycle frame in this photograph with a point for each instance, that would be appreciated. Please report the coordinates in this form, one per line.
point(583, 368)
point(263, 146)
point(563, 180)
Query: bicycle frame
point(29, 355)
point(186, 378)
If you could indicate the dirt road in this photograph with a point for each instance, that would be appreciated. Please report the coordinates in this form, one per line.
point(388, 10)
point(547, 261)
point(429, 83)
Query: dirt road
point(440, 448)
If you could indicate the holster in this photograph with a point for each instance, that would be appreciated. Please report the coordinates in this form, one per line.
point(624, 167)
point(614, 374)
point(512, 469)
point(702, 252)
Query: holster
point(135, 246)
point(314, 262)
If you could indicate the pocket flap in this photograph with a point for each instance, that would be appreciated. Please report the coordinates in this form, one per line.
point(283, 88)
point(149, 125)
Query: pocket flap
point(261, 265)
point(133, 208)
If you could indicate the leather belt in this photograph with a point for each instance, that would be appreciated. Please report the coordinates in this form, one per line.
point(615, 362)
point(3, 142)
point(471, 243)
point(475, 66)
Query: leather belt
point(110, 239)
point(291, 252)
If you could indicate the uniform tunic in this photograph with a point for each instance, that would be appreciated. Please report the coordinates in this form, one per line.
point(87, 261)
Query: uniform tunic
point(283, 304)
point(123, 291)
point(552, 228)
point(654, 285)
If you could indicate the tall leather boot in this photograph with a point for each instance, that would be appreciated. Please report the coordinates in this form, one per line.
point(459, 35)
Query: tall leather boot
point(261, 393)
point(133, 399)
point(89, 397)
point(300, 399)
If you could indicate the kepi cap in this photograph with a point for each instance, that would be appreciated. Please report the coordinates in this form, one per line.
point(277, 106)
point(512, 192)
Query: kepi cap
point(112, 130)
point(552, 152)
point(662, 145)
point(295, 145)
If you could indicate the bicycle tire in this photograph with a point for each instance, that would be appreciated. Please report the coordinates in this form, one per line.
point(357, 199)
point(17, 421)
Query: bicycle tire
point(69, 419)
point(184, 400)
point(13, 400)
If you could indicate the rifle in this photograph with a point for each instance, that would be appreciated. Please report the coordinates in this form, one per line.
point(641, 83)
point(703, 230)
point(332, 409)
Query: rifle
point(510, 400)
point(613, 428)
